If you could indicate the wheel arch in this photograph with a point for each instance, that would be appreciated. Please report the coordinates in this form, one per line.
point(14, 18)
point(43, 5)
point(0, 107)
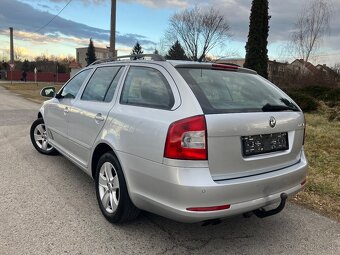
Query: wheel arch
point(100, 149)
point(40, 115)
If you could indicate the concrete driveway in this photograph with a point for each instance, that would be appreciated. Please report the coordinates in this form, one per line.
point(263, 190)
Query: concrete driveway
point(48, 206)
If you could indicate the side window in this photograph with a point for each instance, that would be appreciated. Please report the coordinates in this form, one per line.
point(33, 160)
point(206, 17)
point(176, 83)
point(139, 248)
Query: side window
point(102, 84)
point(147, 87)
point(71, 89)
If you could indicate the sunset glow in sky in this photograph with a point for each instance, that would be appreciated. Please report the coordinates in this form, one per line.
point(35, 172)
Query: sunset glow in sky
point(145, 21)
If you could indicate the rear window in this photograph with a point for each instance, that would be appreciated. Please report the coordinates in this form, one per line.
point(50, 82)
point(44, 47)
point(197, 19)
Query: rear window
point(221, 91)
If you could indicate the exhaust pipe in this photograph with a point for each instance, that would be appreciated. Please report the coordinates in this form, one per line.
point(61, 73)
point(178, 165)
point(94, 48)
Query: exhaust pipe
point(211, 222)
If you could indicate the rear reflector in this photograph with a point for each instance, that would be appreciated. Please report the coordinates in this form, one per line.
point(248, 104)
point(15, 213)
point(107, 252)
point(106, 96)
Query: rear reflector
point(303, 182)
point(207, 209)
point(224, 67)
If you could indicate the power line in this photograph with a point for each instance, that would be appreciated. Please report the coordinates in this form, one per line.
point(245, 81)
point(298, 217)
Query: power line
point(36, 31)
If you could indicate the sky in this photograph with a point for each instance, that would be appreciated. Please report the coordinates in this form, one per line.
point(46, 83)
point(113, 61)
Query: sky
point(145, 21)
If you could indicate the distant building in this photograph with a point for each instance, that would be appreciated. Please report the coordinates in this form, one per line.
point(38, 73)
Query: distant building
point(101, 53)
point(328, 73)
point(277, 71)
point(302, 67)
point(74, 67)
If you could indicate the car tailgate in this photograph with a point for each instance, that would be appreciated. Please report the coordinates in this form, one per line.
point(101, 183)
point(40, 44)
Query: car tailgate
point(225, 153)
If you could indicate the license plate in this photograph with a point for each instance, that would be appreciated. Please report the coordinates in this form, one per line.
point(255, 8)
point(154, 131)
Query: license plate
point(258, 144)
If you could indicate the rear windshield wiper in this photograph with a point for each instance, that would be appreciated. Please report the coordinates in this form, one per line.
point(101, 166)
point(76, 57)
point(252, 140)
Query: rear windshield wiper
point(278, 108)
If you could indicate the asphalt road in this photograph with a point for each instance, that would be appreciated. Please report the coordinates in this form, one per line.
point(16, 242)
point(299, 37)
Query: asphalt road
point(48, 206)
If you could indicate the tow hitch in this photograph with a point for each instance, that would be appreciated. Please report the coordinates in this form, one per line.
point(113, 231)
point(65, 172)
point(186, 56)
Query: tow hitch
point(262, 213)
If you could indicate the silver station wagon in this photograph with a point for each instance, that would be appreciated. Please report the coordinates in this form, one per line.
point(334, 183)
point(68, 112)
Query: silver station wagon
point(194, 142)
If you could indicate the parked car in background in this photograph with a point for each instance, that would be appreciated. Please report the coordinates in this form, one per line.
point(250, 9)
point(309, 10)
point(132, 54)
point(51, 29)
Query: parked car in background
point(194, 142)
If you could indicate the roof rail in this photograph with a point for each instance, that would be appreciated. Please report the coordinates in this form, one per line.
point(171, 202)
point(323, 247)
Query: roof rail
point(155, 57)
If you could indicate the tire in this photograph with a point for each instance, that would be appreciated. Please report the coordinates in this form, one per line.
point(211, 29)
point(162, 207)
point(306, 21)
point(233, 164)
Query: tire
point(39, 138)
point(111, 190)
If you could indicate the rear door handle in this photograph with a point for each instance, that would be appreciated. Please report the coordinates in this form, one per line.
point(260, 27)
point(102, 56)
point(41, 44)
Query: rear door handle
point(99, 117)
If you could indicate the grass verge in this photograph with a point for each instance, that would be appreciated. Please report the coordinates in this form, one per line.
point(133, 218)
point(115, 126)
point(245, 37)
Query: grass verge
point(322, 147)
point(30, 91)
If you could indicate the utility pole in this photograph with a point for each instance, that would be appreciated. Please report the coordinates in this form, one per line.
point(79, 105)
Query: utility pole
point(113, 28)
point(11, 45)
point(11, 61)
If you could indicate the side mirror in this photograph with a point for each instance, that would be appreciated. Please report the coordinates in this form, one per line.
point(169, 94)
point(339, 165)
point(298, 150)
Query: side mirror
point(48, 92)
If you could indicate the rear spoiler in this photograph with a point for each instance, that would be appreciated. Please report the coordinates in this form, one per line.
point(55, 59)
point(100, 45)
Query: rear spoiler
point(215, 66)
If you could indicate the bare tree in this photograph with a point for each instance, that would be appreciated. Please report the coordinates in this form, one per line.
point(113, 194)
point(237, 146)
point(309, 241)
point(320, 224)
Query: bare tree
point(336, 68)
point(312, 25)
point(18, 54)
point(198, 30)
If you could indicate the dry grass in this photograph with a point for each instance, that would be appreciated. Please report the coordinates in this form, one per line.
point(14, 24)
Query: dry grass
point(30, 91)
point(322, 146)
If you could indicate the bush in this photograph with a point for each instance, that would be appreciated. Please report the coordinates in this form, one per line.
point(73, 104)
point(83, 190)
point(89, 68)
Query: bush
point(331, 96)
point(333, 114)
point(306, 102)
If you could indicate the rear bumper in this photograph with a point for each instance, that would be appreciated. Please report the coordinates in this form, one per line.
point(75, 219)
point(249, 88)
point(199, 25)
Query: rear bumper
point(168, 191)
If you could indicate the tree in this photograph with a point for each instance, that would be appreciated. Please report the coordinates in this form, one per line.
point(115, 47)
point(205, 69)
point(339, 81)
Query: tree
point(25, 65)
point(156, 52)
point(176, 52)
point(198, 30)
point(137, 49)
point(61, 68)
point(256, 47)
point(91, 53)
point(310, 28)
point(18, 54)
point(336, 68)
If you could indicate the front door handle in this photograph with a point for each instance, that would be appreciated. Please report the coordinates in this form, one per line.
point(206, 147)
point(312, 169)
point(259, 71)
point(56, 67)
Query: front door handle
point(99, 117)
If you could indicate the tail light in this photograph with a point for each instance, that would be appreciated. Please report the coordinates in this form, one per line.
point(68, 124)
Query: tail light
point(187, 139)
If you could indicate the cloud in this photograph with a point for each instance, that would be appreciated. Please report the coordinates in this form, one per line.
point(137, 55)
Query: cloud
point(44, 39)
point(84, 1)
point(161, 4)
point(25, 18)
point(283, 16)
point(149, 3)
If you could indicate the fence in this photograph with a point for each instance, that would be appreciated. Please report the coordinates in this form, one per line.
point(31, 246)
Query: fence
point(41, 76)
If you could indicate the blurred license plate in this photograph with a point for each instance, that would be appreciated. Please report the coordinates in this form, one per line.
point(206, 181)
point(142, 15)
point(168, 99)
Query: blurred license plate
point(258, 144)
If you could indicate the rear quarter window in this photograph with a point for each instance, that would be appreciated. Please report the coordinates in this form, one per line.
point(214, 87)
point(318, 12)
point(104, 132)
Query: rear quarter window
point(147, 87)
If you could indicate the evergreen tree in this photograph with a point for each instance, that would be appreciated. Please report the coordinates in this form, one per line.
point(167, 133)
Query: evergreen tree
point(176, 52)
point(25, 65)
point(91, 53)
point(256, 47)
point(156, 52)
point(137, 49)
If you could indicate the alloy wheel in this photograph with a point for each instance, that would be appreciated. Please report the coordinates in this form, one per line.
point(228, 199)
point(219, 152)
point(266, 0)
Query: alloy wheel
point(40, 138)
point(109, 187)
